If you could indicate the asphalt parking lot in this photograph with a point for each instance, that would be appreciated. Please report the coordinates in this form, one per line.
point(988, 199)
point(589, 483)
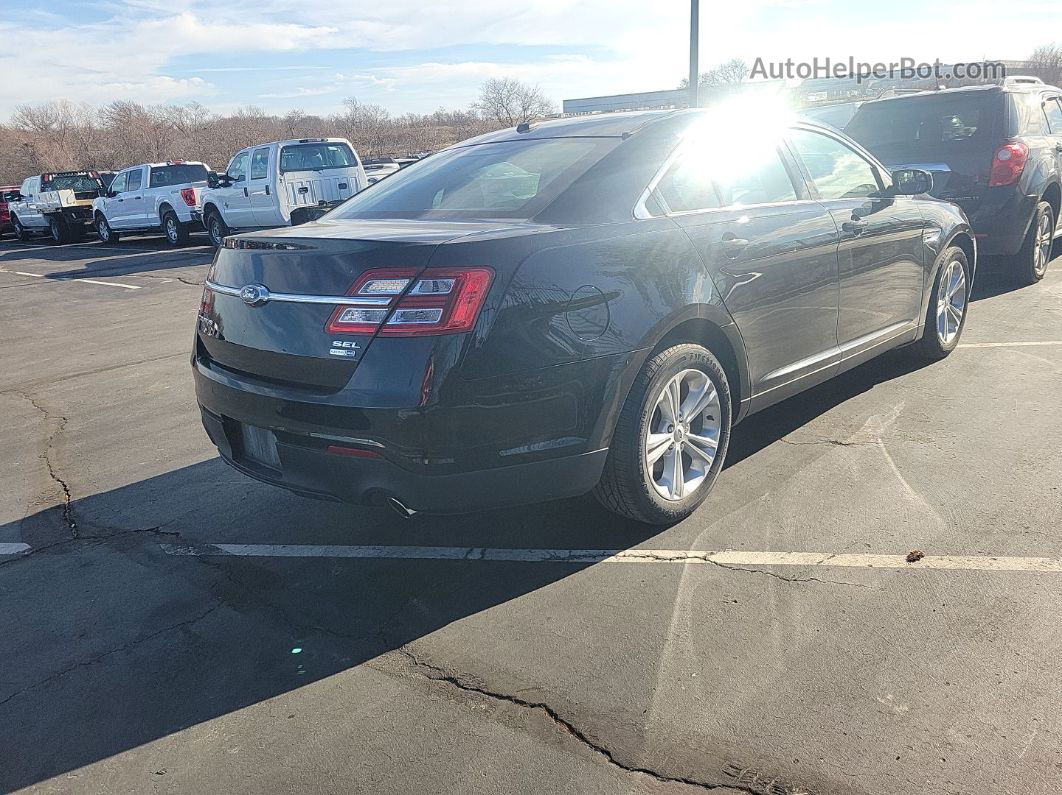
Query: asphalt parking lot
point(170, 625)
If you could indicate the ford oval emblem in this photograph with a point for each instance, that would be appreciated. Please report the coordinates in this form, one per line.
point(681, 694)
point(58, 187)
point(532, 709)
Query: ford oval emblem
point(254, 294)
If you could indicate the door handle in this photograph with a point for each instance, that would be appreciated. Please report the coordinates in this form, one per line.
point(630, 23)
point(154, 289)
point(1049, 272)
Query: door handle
point(121, 200)
point(267, 190)
point(245, 193)
point(855, 226)
point(733, 245)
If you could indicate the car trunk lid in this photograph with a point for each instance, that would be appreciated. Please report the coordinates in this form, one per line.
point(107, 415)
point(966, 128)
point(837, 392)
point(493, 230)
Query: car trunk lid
point(305, 272)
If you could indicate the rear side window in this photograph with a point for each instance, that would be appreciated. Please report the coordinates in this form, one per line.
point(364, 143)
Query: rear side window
point(1053, 114)
point(136, 179)
point(164, 176)
point(316, 157)
point(507, 179)
point(687, 185)
point(920, 125)
point(837, 171)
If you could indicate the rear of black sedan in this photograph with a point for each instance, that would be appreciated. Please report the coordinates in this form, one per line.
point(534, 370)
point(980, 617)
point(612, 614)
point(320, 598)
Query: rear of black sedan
point(388, 353)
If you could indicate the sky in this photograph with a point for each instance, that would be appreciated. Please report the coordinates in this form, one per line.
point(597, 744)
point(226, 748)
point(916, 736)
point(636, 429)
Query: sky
point(418, 56)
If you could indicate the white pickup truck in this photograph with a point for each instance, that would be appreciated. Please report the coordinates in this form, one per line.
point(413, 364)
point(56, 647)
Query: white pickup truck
point(281, 183)
point(59, 204)
point(153, 197)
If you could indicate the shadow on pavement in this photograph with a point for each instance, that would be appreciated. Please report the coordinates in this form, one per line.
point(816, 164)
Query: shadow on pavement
point(108, 642)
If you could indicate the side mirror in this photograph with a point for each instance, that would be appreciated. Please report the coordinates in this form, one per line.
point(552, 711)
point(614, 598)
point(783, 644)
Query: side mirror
point(911, 182)
point(212, 179)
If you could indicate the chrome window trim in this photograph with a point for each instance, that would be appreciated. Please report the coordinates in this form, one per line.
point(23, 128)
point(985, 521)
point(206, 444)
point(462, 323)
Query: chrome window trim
point(297, 298)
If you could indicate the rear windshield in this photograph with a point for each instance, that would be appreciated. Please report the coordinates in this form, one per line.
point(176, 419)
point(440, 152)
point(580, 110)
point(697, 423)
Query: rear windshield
point(316, 157)
point(177, 175)
point(927, 125)
point(508, 179)
point(81, 183)
point(8, 195)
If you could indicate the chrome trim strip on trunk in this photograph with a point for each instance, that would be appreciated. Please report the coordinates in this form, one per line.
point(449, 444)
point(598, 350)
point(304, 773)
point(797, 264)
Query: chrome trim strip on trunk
point(298, 298)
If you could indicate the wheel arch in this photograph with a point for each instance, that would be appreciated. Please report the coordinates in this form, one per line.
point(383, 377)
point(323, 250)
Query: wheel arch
point(712, 327)
point(1053, 195)
point(164, 208)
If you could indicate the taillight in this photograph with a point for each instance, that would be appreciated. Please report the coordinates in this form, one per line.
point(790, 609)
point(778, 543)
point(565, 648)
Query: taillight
point(1007, 163)
point(188, 194)
point(398, 303)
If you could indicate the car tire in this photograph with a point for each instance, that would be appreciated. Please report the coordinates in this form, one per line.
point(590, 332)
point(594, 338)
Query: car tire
point(649, 477)
point(176, 232)
point(949, 305)
point(59, 229)
point(104, 231)
point(21, 232)
point(216, 228)
point(1030, 263)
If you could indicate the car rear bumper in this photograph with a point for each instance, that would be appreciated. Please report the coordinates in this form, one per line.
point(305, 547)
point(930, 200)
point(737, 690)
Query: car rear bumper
point(492, 442)
point(1001, 220)
point(307, 469)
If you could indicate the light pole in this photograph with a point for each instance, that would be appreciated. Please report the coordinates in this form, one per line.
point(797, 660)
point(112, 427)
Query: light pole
point(694, 76)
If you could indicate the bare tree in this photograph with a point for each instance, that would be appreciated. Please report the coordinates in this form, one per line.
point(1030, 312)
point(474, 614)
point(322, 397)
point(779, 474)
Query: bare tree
point(509, 102)
point(67, 135)
point(722, 77)
point(1046, 62)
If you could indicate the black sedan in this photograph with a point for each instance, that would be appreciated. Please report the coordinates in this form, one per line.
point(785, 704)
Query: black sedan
point(579, 305)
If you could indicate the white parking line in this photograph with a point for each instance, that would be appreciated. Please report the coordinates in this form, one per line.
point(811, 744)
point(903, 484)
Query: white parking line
point(1007, 344)
point(13, 549)
point(724, 558)
point(71, 279)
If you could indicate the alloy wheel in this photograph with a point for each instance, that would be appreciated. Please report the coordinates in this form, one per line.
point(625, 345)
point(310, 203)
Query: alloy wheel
point(683, 434)
point(1042, 253)
point(171, 230)
point(951, 301)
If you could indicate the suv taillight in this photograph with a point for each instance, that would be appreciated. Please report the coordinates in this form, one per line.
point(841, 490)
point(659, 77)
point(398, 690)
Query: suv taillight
point(444, 301)
point(188, 194)
point(1008, 162)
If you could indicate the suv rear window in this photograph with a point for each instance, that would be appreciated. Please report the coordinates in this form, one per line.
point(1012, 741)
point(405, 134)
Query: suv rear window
point(316, 157)
point(162, 176)
point(927, 125)
point(507, 179)
point(79, 183)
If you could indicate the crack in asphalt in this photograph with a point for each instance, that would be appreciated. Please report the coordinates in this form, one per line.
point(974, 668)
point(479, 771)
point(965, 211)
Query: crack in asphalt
point(46, 456)
point(437, 674)
point(783, 578)
point(110, 652)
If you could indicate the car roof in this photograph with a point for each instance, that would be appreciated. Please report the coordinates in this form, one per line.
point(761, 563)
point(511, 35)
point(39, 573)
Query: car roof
point(595, 125)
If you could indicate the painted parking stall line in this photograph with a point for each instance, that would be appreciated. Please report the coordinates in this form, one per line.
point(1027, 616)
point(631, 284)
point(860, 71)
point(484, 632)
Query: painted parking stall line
point(13, 549)
point(1009, 344)
point(72, 279)
point(657, 556)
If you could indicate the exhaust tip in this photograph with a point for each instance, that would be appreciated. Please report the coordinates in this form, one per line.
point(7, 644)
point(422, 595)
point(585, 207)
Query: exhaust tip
point(403, 510)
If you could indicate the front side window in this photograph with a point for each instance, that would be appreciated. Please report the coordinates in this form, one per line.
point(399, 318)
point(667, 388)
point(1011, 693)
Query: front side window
point(316, 157)
point(136, 179)
point(506, 179)
point(118, 183)
point(260, 163)
point(837, 171)
point(238, 167)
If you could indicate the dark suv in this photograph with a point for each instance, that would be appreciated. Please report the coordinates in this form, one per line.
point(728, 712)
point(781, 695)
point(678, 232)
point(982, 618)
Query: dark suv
point(996, 151)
